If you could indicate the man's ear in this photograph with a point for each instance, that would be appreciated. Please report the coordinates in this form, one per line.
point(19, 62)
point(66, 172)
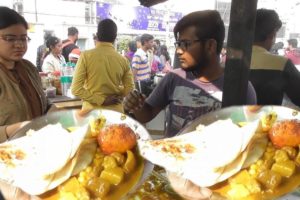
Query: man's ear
point(272, 35)
point(211, 46)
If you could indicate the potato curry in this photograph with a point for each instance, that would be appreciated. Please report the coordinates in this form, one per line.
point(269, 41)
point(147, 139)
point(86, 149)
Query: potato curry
point(112, 172)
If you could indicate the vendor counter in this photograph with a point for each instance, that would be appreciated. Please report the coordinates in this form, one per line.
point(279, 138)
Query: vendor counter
point(63, 102)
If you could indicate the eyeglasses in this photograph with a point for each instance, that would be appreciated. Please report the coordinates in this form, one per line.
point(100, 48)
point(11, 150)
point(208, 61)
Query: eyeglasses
point(12, 39)
point(185, 44)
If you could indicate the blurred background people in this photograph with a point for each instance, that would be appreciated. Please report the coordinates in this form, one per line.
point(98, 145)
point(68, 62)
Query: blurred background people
point(141, 65)
point(157, 44)
point(131, 50)
point(138, 42)
point(70, 44)
point(277, 49)
point(293, 52)
point(223, 54)
point(102, 76)
point(21, 94)
point(53, 60)
point(95, 39)
point(165, 59)
point(41, 52)
point(74, 56)
point(271, 75)
point(156, 65)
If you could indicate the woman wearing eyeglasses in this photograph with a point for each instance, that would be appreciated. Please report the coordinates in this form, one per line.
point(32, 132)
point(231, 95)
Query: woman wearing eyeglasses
point(21, 93)
point(53, 59)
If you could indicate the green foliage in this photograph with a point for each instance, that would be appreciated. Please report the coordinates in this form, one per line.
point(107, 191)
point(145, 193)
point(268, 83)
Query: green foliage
point(122, 44)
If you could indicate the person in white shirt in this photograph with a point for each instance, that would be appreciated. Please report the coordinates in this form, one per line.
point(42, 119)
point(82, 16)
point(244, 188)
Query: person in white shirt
point(53, 59)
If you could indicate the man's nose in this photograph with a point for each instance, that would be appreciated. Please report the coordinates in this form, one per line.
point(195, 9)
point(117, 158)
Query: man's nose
point(179, 50)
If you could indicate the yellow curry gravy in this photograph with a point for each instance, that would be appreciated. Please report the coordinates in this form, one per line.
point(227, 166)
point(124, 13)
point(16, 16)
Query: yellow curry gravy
point(116, 192)
point(289, 185)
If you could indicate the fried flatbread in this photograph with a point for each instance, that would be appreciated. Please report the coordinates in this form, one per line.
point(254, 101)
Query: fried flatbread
point(46, 157)
point(205, 157)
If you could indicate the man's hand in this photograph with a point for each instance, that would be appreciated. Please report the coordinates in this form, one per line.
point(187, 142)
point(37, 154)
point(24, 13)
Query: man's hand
point(134, 101)
point(112, 100)
point(187, 189)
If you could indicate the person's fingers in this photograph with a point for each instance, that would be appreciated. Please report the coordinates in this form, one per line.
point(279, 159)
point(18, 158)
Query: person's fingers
point(11, 193)
point(131, 101)
point(187, 189)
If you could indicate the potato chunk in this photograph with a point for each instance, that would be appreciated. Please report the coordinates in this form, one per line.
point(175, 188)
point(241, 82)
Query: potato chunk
point(113, 175)
point(98, 187)
point(284, 168)
point(269, 179)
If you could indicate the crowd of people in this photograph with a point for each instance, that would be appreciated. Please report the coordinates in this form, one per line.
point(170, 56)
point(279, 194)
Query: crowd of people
point(103, 78)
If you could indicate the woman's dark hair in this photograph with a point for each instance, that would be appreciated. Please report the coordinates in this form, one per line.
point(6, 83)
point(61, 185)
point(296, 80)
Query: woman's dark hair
point(208, 24)
point(146, 37)
point(267, 22)
point(164, 51)
point(9, 17)
point(107, 31)
point(132, 46)
point(51, 42)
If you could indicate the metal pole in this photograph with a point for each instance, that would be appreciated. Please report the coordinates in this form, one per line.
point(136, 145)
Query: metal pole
point(35, 9)
point(239, 47)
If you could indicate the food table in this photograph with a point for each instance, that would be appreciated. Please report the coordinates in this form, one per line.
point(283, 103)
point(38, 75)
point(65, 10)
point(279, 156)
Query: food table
point(60, 102)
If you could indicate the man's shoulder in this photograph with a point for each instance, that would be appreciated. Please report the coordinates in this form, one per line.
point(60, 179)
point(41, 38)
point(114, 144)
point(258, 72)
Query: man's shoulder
point(266, 61)
point(178, 73)
point(140, 53)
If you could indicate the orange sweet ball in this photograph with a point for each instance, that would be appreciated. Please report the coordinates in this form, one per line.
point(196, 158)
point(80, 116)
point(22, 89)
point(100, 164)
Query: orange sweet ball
point(116, 138)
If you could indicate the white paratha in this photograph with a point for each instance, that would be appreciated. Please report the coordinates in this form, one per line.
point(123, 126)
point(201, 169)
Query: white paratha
point(46, 156)
point(205, 157)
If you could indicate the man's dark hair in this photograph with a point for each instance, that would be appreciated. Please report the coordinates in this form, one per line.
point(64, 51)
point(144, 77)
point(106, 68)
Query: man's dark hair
point(146, 37)
point(132, 46)
point(107, 31)
point(138, 39)
point(157, 42)
point(267, 22)
point(47, 35)
point(293, 42)
point(72, 31)
point(9, 17)
point(208, 24)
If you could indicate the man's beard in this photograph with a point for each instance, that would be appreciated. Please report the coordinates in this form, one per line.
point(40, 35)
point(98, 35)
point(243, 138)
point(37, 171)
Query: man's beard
point(198, 67)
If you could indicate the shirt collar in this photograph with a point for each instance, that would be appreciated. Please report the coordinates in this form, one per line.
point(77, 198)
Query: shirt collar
point(106, 44)
point(256, 48)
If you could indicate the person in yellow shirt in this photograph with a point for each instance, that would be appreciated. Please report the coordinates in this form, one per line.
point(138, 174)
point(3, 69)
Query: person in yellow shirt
point(102, 76)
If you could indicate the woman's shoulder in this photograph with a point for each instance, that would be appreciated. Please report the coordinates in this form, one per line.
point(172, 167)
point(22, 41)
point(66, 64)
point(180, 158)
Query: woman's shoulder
point(28, 65)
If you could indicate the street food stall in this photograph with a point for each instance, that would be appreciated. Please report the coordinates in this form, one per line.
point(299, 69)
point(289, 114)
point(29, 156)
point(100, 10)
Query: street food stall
point(66, 155)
